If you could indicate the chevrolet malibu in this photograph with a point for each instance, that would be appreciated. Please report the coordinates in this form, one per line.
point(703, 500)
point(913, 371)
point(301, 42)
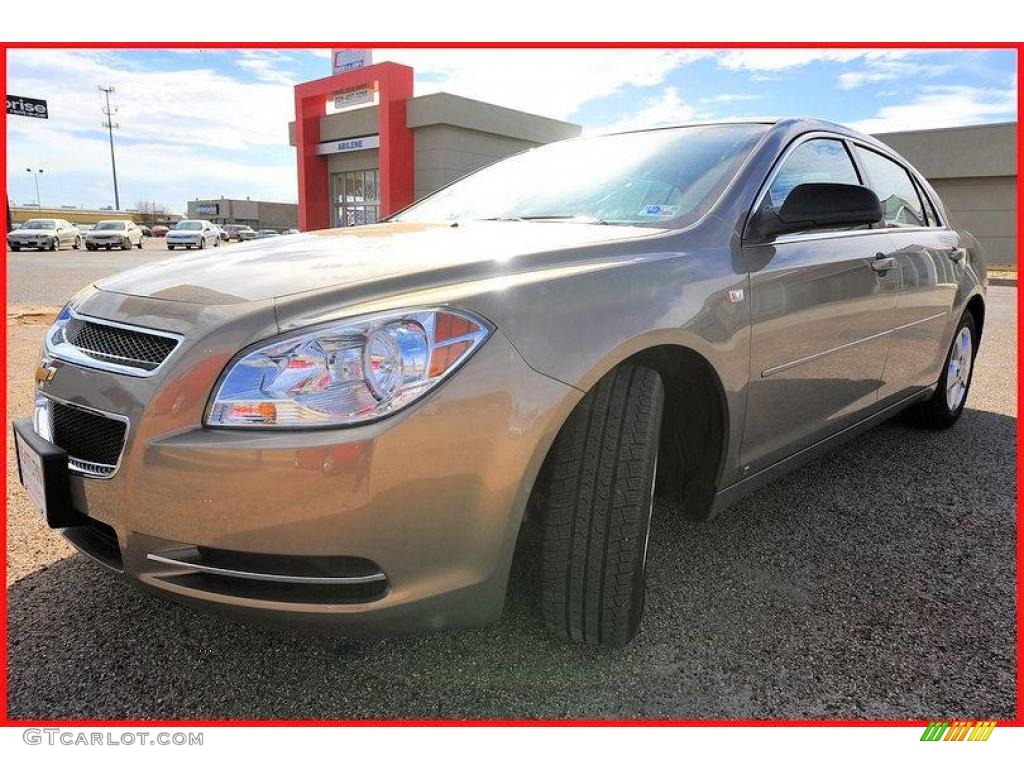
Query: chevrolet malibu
point(353, 428)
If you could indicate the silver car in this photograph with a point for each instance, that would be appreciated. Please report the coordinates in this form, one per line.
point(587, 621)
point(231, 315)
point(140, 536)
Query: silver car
point(353, 428)
point(193, 233)
point(114, 233)
point(44, 235)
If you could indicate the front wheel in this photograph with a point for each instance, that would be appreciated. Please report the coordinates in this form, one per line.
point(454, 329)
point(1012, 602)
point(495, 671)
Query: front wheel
point(596, 506)
point(54, 244)
point(77, 244)
point(15, 248)
point(944, 407)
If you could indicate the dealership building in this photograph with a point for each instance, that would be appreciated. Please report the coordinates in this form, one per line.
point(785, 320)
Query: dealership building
point(364, 162)
point(256, 213)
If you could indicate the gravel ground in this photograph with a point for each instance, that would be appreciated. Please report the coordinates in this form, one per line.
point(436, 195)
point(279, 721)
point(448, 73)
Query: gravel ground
point(877, 582)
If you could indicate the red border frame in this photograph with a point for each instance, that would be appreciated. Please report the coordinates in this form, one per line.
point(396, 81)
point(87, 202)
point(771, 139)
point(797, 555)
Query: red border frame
point(336, 84)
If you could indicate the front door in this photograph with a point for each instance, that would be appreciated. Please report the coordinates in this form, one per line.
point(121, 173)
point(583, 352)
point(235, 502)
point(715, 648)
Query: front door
point(356, 196)
point(822, 305)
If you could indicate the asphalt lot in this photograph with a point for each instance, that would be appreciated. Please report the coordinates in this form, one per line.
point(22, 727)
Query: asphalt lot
point(51, 278)
point(841, 591)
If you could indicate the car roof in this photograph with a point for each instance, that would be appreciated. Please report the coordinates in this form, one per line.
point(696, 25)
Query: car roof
point(795, 125)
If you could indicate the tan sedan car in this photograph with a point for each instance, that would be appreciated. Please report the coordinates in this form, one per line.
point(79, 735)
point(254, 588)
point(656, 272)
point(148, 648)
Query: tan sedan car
point(353, 427)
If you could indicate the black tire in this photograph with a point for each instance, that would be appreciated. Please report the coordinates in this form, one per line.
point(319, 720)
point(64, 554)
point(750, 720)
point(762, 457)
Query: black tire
point(15, 248)
point(596, 510)
point(139, 246)
point(935, 413)
point(54, 245)
point(170, 247)
point(77, 244)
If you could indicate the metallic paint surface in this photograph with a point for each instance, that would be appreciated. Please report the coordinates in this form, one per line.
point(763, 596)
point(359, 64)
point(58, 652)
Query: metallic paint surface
point(435, 494)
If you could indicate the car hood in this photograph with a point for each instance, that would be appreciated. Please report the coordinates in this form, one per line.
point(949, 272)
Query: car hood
point(31, 232)
point(423, 253)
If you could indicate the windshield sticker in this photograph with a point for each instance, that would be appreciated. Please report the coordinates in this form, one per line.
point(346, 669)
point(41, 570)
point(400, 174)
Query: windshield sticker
point(659, 211)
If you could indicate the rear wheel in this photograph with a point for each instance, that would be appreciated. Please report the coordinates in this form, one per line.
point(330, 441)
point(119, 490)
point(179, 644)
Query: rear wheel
point(596, 510)
point(944, 407)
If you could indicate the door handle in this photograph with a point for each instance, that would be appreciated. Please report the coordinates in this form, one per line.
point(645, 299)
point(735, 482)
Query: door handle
point(883, 263)
point(956, 254)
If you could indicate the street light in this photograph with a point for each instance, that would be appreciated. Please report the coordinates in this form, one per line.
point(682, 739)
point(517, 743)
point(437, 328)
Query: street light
point(35, 175)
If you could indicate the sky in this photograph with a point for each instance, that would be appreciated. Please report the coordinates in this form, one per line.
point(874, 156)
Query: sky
point(211, 123)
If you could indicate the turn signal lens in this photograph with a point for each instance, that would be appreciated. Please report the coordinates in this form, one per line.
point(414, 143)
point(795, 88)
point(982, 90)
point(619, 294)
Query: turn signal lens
point(345, 373)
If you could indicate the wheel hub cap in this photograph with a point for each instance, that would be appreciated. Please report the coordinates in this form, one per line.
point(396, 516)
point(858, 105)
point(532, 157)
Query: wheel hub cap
point(959, 371)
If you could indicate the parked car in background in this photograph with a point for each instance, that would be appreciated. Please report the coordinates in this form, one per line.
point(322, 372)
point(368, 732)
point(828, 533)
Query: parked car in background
point(83, 228)
point(290, 232)
point(240, 232)
point(193, 233)
point(144, 230)
point(114, 233)
point(263, 233)
point(355, 430)
point(158, 230)
point(44, 235)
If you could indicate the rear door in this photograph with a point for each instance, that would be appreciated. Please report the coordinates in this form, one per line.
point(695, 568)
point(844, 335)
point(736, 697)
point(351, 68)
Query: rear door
point(931, 264)
point(822, 306)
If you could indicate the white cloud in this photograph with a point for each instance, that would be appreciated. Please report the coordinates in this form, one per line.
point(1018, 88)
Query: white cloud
point(550, 82)
point(891, 70)
point(666, 109)
point(778, 59)
point(943, 106)
point(196, 106)
point(193, 132)
point(268, 66)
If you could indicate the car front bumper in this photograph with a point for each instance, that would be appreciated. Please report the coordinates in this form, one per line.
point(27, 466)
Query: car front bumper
point(430, 499)
point(40, 241)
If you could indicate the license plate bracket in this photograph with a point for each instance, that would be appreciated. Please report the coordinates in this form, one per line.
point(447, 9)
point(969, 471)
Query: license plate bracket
point(43, 471)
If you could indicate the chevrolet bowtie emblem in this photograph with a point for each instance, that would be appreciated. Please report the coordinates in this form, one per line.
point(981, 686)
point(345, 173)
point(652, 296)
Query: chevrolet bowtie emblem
point(44, 373)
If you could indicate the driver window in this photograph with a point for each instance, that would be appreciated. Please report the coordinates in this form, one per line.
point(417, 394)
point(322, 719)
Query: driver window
point(814, 161)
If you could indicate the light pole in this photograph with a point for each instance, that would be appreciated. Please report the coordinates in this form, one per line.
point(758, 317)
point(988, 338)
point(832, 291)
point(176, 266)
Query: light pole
point(35, 175)
point(110, 125)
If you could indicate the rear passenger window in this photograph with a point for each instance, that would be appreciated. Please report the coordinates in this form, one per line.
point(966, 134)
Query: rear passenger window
point(814, 161)
point(901, 205)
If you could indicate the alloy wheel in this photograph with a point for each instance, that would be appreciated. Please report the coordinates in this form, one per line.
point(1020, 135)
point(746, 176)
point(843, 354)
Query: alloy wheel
point(958, 373)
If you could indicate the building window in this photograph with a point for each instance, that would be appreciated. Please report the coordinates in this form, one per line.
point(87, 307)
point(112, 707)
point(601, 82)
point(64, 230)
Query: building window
point(356, 198)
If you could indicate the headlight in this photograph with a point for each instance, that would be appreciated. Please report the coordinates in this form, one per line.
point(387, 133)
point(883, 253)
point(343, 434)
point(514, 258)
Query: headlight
point(345, 373)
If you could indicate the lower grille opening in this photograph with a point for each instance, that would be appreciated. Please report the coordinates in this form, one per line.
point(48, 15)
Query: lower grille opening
point(94, 442)
point(277, 578)
point(280, 592)
point(97, 540)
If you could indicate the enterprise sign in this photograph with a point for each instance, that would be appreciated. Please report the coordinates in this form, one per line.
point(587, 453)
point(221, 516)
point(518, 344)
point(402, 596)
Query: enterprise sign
point(26, 107)
point(348, 145)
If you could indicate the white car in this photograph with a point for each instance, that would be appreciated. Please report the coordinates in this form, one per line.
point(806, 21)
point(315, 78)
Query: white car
point(44, 234)
point(193, 233)
point(113, 233)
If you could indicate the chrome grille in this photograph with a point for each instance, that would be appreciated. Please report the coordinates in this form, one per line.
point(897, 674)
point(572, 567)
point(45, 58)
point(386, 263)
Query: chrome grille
point(115, 344)
point(93, 441)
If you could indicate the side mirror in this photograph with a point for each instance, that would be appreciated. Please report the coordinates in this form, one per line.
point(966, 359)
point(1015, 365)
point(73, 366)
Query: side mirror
point(821, 206)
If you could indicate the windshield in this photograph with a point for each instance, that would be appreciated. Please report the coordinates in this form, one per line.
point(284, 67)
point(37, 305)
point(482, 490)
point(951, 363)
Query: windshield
point(39, 224)
point(648, 177)
point(110, 225)
point(189, 225)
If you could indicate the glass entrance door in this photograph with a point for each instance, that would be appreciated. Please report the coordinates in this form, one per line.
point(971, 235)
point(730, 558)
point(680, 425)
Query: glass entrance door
point(356, 197)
